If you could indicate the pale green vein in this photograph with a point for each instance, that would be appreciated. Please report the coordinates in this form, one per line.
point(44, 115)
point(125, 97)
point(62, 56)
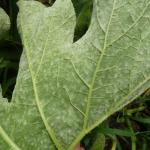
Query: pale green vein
point(103, 53)
point(138, 19)
point(117, 107)
point(101, 28)
point(96, 70)
point(107, 69)
point(8, 140)
point(67, 91)
point(46, 42)
point(100, 51)
point(48, 128)
point(97, 88)
point(91, 87)
point(85, 131)
point(80, 77)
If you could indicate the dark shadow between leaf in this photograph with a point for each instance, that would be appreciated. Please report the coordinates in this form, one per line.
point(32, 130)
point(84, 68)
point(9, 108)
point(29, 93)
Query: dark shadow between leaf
point(83, 9)
point(10, 52)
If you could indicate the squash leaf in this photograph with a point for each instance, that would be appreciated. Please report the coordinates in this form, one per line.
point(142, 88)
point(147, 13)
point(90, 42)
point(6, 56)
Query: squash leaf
point(66, 89)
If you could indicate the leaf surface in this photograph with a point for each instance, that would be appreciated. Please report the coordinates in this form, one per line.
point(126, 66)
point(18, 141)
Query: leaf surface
point(66, 89)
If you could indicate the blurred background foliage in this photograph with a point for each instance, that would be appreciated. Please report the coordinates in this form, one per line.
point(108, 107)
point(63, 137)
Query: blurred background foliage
point(128, 129)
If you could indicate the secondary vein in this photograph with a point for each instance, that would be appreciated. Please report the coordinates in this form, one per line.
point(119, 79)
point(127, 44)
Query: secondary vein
point(8, 139)
point(96, 70)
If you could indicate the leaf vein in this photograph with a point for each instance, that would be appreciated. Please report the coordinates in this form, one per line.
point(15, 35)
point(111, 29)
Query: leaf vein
point(96, 70)
point(8, 140)
point(138, 19)
point(48, 128)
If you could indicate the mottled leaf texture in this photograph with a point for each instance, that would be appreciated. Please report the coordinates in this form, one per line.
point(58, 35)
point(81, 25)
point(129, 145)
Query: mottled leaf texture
point(66, 89)
point(4, 24)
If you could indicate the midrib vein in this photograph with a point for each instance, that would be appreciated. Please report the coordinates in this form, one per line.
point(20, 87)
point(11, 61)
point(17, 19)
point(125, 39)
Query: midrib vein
point(8, 140)
point(97, 68)
point(48, 128)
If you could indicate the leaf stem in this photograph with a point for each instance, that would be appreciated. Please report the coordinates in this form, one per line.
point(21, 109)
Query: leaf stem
point(114, 144)
point(133, 137)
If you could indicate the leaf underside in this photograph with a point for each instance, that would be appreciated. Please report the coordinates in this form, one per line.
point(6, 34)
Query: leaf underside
point(66, 89)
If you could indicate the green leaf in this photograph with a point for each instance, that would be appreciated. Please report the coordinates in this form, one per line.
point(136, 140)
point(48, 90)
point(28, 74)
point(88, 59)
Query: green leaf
point(145, 120)
point(4, 24)
point(115, 132)
point(66, 89)
point(99, 143)
point(83, 20)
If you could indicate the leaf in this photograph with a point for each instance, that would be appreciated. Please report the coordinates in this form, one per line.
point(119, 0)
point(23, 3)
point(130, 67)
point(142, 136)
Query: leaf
point(145, 120)
point(99, 143)
point(114, 132)
point(4, 24)
point(79, 5)
point(83, 20)
point(66, 89)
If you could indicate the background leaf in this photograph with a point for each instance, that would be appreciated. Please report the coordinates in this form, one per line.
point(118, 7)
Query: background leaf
point(99, 143)
point(4, 24)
